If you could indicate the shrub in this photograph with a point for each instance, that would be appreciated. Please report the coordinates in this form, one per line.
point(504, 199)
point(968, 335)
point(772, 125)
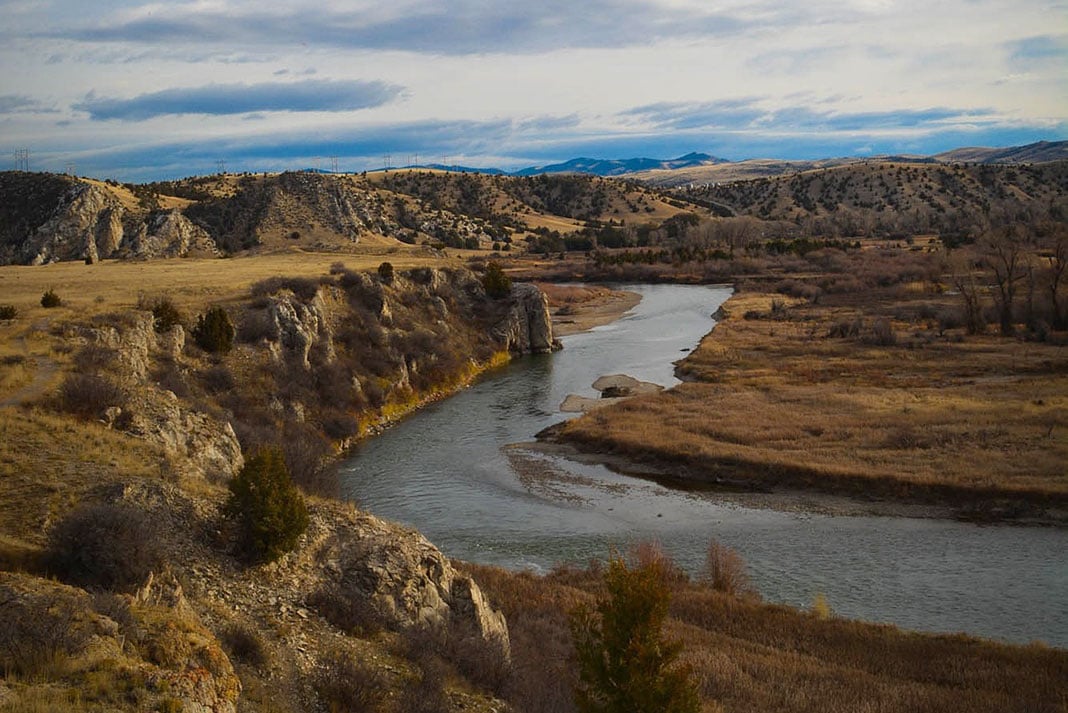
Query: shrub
point(104, 546)
point(385, 273)
point(165, 315)
point(623, 663)
point(496, 283)
point(39, 634)
point(89, 395)
point(348, 610)
point(346, 684)
point(8, 312)
point(50, 299)
point(245, 644)
point(725, 571)
point(214, 332)
point(268, 508)
point(882, 333)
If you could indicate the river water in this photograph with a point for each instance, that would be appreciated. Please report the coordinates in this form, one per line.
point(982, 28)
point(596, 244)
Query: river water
point(450, 472)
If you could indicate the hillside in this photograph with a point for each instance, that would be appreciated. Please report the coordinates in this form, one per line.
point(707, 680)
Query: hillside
point(1039, 152)
point(876, 198)
point(49, 218)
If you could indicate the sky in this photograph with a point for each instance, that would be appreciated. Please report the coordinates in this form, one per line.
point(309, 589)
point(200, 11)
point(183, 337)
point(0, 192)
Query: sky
point(138, 91)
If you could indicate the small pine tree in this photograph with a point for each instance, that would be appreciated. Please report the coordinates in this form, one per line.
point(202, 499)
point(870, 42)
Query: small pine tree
point(624, 664)
point(165, 315)
point(50, 299)
point(214, 332)
point(268, 508)
point(495, 282)
point(385, 273)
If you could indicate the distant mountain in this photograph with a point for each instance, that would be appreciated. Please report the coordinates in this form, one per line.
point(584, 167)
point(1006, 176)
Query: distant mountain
point(620, 167)
point(1039, 152)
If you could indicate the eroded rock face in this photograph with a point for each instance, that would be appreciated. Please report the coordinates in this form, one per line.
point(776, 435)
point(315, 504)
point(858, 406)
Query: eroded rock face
point(210, 447)
point(528, 327)
point(171, 234)
point(301, 327)
point(403, 577)
point(87, 224)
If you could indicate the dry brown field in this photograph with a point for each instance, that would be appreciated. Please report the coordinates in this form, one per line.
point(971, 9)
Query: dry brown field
point(904, 409)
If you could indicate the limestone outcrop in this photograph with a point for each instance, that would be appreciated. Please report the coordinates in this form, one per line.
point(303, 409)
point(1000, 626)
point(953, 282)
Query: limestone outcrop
point(407, 582)
point(301, 327)
point(86, 224)
point(170, 234)
point(205, 446)
point(527, 328)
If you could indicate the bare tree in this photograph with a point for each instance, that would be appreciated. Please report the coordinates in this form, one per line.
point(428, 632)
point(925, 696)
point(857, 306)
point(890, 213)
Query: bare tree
point(1004, 253)
point(1057, 275)
point(963, 277)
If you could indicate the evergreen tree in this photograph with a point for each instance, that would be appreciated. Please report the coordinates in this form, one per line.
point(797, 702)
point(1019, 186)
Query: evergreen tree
point(268, 508)
point(214, 332)
point(624, 664)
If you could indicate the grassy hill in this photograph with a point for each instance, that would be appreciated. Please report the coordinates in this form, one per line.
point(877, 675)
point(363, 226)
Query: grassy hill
point(898, 198)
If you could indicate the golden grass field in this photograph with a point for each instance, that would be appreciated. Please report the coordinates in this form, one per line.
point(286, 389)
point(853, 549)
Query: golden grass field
point(776, 402)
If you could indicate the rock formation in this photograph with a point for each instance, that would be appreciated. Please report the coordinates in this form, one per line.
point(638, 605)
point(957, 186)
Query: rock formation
point(405, 580)
point(170, 234)
point(301, 326)
point(528, 328)
point(87, 224)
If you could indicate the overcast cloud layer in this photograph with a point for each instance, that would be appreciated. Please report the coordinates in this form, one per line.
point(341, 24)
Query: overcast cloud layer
point(153, 90)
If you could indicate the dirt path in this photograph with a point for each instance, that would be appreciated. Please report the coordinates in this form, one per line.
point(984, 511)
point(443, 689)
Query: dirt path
point(45, 369)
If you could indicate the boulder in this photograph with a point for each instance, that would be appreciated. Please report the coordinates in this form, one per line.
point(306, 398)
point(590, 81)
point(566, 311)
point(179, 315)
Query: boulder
point(404, 579)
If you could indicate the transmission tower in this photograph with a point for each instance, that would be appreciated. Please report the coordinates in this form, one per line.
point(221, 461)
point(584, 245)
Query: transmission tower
point(22, 159)
point(221, 165)
point(333, 164)
point(70, 168)
point(388, 162)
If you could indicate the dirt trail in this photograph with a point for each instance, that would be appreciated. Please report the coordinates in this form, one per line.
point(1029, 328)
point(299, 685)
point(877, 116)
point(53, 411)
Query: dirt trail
point(46, 369)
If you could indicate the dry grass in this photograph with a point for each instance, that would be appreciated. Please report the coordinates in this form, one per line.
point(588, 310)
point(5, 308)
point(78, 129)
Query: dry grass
point(48, 463)
point(748, 656)
point(774, 401)
point(191, 283)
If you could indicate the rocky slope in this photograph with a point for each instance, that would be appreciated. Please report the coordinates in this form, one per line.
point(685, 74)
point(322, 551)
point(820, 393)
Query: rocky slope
point(47, 218)
point(205, 631)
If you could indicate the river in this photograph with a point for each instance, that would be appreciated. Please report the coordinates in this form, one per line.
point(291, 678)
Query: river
point(449, 471)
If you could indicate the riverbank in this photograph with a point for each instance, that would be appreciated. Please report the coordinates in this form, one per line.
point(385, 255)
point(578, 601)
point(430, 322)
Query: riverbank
point(787, 399)
point(578, 308)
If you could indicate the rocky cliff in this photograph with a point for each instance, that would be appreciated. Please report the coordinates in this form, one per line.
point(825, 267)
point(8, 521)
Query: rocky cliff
point(54, 218)
point(528, 329)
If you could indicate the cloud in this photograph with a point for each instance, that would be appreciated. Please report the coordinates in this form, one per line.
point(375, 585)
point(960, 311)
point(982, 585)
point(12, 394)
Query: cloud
point(748, 114)
point(450, 27)
point(225, 99)
point(22, 104)
point(1039, 50)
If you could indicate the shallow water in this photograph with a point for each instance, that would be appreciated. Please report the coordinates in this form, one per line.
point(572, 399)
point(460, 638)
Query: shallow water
point(448, 472)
